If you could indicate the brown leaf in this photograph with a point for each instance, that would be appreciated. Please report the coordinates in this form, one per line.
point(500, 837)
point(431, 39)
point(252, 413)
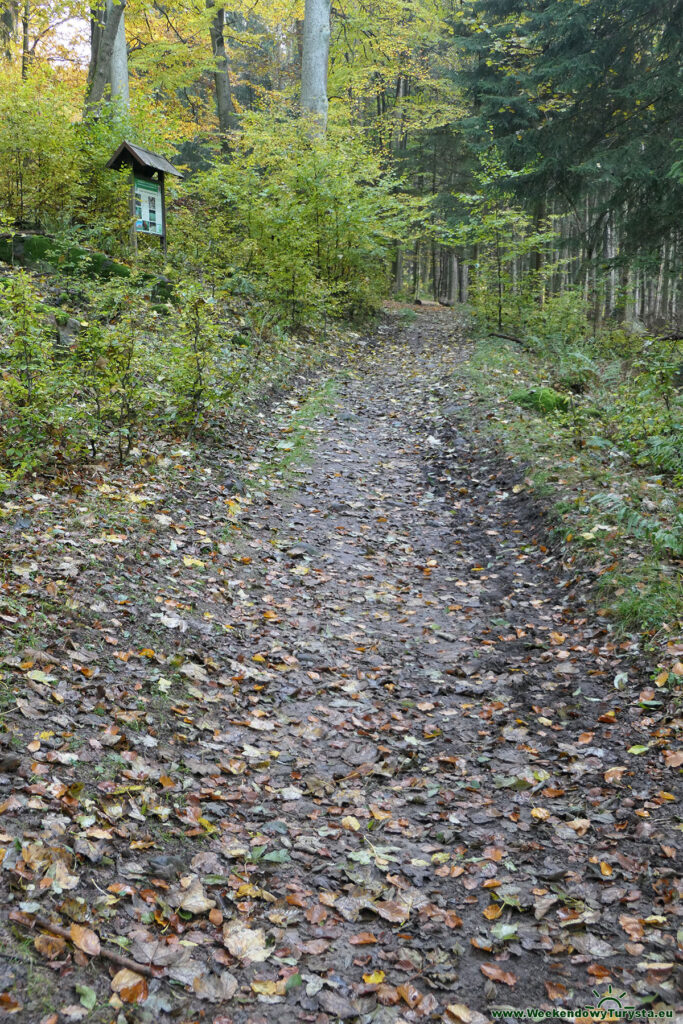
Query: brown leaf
point(315, 946)
point(130, 986)
point(493, 911)
point(633, 926)
point(494, 853)
point(8, 1004)
point(49, 945)
point(390, 910)
point(362, 939)
point(85, 939)
point(498, 974)
point(387, 995)
point(580, 825)
point(409, 994)
point(555, 989)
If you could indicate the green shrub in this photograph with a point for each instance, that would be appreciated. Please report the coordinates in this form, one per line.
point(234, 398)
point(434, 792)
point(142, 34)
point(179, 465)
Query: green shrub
point(311, 219)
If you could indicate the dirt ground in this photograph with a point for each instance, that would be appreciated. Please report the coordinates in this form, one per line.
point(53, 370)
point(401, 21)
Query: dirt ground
point(318, 727)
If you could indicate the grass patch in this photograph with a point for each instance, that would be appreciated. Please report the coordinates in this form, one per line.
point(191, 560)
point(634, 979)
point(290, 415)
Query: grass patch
point(606, 460)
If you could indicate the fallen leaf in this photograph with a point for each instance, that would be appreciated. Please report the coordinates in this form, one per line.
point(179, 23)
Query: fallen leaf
point(49, 945)
point(193, 899)
point(390, 910)
point(580, 825)
point(129, 986)
point(85, 939)
point(409, 994)
point(268, 988)
point(498, 974)
point(247, 944)
point(375, 978)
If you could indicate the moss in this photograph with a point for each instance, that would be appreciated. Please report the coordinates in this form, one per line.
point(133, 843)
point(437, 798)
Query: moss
point(53, 255)
point(38, 249)
point(543, 400)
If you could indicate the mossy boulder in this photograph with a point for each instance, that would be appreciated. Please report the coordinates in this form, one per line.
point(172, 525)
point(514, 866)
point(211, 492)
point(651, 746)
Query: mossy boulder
point(542, 400)
point(49, 255)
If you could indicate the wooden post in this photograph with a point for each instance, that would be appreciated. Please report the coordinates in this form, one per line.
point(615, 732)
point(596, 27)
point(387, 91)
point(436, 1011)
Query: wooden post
point(133, 235)
point(162, 179)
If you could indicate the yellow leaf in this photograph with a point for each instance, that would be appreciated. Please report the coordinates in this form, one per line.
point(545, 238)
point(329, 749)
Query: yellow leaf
point(189, 561)
point(351, 823)
point(540, 813)
point(376, 978)
point(493, 911)
point(269, 988)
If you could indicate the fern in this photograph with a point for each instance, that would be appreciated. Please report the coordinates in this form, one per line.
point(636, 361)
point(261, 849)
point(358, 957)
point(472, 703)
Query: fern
point(664, 538)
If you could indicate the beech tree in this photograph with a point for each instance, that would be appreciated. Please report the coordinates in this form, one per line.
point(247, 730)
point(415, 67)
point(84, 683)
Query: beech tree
point(221, 75)
point(108, 55)
point(314, 60)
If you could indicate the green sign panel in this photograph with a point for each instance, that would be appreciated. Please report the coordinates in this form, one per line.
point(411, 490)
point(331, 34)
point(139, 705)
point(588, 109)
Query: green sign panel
point(149, 215)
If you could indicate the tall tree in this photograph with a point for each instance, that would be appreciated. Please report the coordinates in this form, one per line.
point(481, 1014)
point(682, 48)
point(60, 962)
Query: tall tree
point(315, 57)
point(221, 76)
point(108, 55)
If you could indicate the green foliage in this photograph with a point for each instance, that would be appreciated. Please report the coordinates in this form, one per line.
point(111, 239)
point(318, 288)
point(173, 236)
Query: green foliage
point(618, 432)
point(30, 381)
point(581, 98)
point(39, 150)
point(543, 400)
point(501, 234)
point(310, 218)
point(200, 354)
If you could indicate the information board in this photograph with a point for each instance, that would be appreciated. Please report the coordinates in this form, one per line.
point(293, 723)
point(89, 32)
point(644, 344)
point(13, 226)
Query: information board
point(149, 217)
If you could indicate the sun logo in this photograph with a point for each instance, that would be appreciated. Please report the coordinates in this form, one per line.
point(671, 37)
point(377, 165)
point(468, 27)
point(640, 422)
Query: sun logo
point(610, 999)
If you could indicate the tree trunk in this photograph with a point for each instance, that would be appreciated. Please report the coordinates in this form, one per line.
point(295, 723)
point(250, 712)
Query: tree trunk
point(398, 270)
point(118, 72)
point(221, 76)
point(25, 22)
point(316, 49)
point(9, 18)
point(453, 279)
point(103, 42)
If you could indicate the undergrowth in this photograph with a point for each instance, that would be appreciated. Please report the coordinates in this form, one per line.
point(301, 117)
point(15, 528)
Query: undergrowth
point(607, 455)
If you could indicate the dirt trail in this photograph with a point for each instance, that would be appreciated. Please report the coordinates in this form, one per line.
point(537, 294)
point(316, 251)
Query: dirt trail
point(367, 721)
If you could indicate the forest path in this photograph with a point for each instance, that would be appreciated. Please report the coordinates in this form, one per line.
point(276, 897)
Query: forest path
point(354, 739)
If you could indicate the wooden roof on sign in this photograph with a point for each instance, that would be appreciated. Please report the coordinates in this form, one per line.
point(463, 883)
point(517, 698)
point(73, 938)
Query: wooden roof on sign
point(128, 153)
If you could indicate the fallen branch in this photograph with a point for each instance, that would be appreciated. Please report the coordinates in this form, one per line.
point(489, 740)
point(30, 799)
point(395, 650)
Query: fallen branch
point(108, 954)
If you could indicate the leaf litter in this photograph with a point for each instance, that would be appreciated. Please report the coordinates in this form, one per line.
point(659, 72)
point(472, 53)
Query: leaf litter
point(347, 741)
